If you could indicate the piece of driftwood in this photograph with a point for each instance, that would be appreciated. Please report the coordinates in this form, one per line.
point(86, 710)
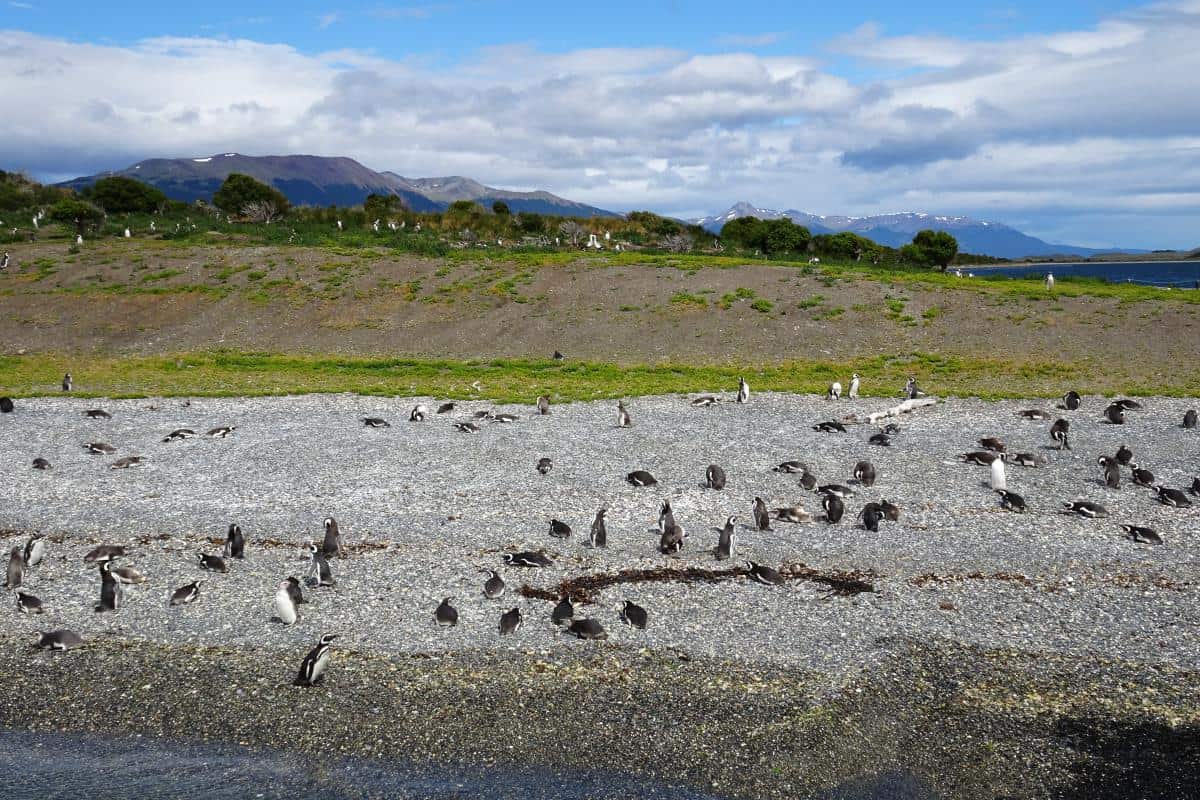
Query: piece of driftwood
point(895, 411)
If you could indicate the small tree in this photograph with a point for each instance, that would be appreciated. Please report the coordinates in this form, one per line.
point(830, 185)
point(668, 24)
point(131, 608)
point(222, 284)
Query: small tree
point(936, 248)
point(238, 190)
point(120, 195)
point(677, 243)
point(500, 208)
point(260, 211)
point(749, 233)
point(378, 206)
point(79, 213)
point(784, 236)
point(572, 231)
point(530, 222)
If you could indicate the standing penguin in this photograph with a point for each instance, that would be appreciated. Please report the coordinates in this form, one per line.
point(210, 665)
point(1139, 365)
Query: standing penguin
point(419, 413)
point(727, 543)
point(333, 546)
point(623, 418)
point(493, 587)
point(714, 477)
point(35, 550)
point(285, 606)
point(743, 392)
point(1124, 456)
point(510, 621)
point(235, 542)
point(854, 382)
point(67, 382)
point(864, 473)
point(312, 668)
point(762, 518)
point(110, 589)
point(16, 569)
point(835, 391)
point(543, 404)
point(999, 479)
point(319, 573)
point(1059, 433)
point(871, 515)
point(1112, 472)
point(1072, 400)
point(563, 611)
point(598, 535)
point(833, 507)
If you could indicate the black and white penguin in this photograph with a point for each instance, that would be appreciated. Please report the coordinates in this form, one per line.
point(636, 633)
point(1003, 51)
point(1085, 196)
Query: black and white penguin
point(376, 422)
point(1085, 508)
point(671, 536)
point(312, 668)
point(1027, 459)
point(445, 615)
point(836, 489)
point(1127, 404)
point(558, 356)
point(6, 405)
point(126, 462)
point(762, 518)
point(808, 481)
point(793, 514)
point(127, 576)
point(871, 515)
point(1142, 477)
point(220, 432)
point(1124, 456)
point(35, 550)
point(16, 569)
point(831, 426)
point(67, 382)
point(743, 392)
point(110, 589)
point(598, 533)
point(727, 541)
point(527, 558)
point(445, 408)
point(179, 434)
point(1142, 535)
point(1011, 501)
point(4, 261)
point(834, 392)
point(891, 511)
point(1112, 472)
point(510, 621)
point(1190, 419)
point(104, 552)
point(560, 529)
point(855, 381)
point(543, 405)
point(864, 473)
point(467, 427)
point(100, 449)
point(505, 418)
point(763, 574)
point(639, 477)
point(1059, 432)
point(891, 429)
point(285, 604)
point(1114, 414)
point(29, 604)
point(790, 466)
point(1071, 400)
point(993, 443)
point(880, 439)
point(487, 414)
point(666, 515)
point(980, 457)
point(212, 563)
point(544, 465)
point(714, 477)
point(319, 573)
point(1033, 414)
point(60, 640)
point(1172, 497)
point(294, 590)
point(41, 463)
point(911, 390)
point(1195, 486)
point(833, 508)
point(186, 594)
point(704, 402)
point(333, 545)
point(563, 610)
point(587, 628)
point(419, 413)
point(235, 542)
point(634, 615)
point(623, 418)
point(97, 413)
point(493, 587)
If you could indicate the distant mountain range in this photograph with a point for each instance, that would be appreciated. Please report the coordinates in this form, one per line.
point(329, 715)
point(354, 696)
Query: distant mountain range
point(321, 181)
point(894, 230)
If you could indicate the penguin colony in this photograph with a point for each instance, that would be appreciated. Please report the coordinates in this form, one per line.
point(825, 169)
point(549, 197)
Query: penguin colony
point(831, 499)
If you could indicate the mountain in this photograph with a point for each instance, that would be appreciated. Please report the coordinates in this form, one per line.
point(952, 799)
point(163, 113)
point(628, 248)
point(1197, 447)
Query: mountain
point(322, 181)
point(895, 230)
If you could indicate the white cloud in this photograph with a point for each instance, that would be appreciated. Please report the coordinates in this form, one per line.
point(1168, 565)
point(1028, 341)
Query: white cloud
point(326, 20)
point(751, 39)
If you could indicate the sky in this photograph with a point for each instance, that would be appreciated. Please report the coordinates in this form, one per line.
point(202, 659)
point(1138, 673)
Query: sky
point(1074, 121)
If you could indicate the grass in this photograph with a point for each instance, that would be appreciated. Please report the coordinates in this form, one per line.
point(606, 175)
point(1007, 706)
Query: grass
point(685, 299)
point(518, 380)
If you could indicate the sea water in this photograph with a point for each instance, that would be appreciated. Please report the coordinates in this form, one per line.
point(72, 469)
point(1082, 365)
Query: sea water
point(1179, 274)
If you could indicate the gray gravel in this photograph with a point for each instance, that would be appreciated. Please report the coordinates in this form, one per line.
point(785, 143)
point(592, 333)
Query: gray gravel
point(441, 505)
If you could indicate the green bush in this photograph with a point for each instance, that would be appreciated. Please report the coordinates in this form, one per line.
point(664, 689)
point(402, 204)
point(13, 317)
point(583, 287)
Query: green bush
point(120, 195)
point(240, 190)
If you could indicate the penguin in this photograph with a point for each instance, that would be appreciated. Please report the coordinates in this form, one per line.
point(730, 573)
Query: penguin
point(67, 382)
point(639, 477)
point(376, 422)
point(891, 429)
point(743, 392)
point(212, 563)
point(704, 402)
point(333, 545)
point(763, 574)
point(831, 426)
point(4, 262)
point(418, 414)
point(871, 515)
point(854, 382)
point(1114, 414)
point(714, 477)
point(980, 457)
point(587, 629)
point(790, 466)
point(544, 465)
point(1189, 419)
point(558, 356)
point(467, 427)
point(1127, 404)
point(510, 622)
point(560, 529)
point(794, 514)
point(670, 540)
point(1085, 508)
point(1195, 486)
point(633, 615)
point(110, 589)
point(104, 552)
point(727, 543)
point(762, 520)
point(285, 605)
point(41, 463)
point(999, 478)
point(834, 392)
point(623, 418)
point(543, 405)
point(319, 573)
point(842, 492)
point(1059, 433)
point(16, 569)
point(493, 587)
point(527, 558)
point(891, 511)
point(1071, 400)
point(808, 480)
point(126, 462)
point(1172, 497)
point(1142, 535)
point(483, 414)
point(880, 439)
point(1124, 456)
point(235, 542)
point(127, 576)
point(505, 418)
point(445, 408)
point(1033, 414)
point(294, 591)
point(1011, 501)
point(563, 611)
point(220, 432)
point(1142, 477)
point(60, 640)
point(179, 434)
point(35, 550)
point(1112, 472)
point(994, 444)
point(445, 615)
point(29, 604)
point(598, 534)
point(6, 405)
point(833, 507)
point(97, 413)
point(911, 390)
point(864, 473)
point(312, 668)
point(100, 449)
point(1027, 459)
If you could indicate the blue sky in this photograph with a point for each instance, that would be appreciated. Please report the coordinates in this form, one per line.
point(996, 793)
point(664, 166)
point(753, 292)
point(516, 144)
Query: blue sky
point(1075, 121)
